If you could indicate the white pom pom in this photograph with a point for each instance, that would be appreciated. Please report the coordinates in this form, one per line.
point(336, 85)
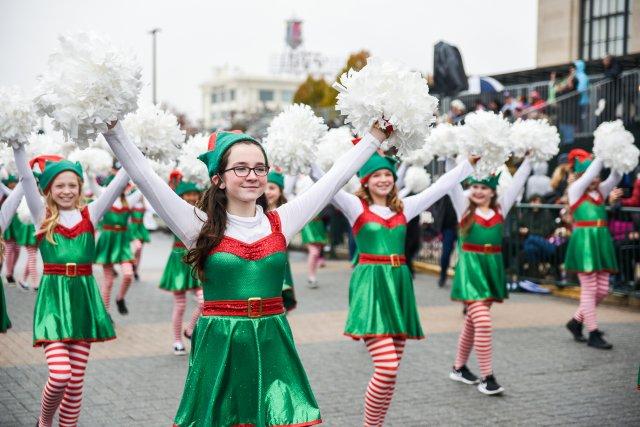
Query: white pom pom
point(485, 134)
point(162, 169)
point(88, 83)
point(504, 181)
point(94, 160)
point(8, 161)
point(292, 137)
point(332, 145)
point(156, 132)
point(417, 179)
point(614, 145)
point(420, 157)
point(536, 136)
point(17, 115)
point(52, 143)
point(386, 93)
point(23, 212)
point(192, 169)
point(352, 185)
point(443, 140)
point(303, 184)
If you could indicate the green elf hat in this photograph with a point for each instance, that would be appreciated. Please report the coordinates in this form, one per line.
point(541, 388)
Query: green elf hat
point(187, 187)
point(10, 179)
point(276, 177)
point(580, 160)
point(375, 163)
point(219, 143)
point(53, 169)
point(106, 181)
point(491, 181)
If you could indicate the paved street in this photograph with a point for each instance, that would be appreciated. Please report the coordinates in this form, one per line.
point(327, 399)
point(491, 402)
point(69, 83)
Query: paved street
point(549, 379)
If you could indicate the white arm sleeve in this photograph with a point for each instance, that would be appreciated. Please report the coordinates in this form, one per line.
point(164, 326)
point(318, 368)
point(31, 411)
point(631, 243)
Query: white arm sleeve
point(4, 190)
point(402, 172)
point(609, 184)
point(414, 205)
point(349, 204)
point(459, 200)
point(10, 206)
point(184, 220)
point(29, 186)
point(580, 185)
point(295, 214)
point(108, 196)
point(404, 192)
point(509, 197)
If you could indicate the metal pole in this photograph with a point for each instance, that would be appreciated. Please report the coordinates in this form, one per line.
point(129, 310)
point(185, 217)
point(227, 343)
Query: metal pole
point(153, 65)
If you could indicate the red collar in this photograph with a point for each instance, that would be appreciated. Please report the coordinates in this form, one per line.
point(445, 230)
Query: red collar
point(368, 215)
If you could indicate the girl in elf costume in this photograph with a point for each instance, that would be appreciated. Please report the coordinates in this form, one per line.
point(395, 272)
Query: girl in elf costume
point(382, 306)
point(314, 237)
point(179, 277)
point(479, 275)
point(7, 211)
point(590, 252)
point(114, 247)
point(275, 198)
point(244, 368)
point(69, 313)
point(139, 234)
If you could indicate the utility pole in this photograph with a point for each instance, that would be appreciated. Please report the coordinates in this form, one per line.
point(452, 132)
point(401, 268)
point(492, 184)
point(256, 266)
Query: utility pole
point(153, 65)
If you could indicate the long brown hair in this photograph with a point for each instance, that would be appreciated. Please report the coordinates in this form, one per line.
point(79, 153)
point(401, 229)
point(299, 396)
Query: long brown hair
point(393, 200)
point(214, 204)
point(53, 213)
point(468, 219)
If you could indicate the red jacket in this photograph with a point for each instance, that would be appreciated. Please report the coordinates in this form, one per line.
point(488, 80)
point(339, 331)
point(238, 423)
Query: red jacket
point(634, 200)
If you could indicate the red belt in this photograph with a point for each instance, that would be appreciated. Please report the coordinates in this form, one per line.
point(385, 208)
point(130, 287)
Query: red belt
point(596, 223)
point(114, 227)
point(394, 259)
point(252, 307)
point(70, 269)
point(179, 245)
point(136, 221)
point(483, 249)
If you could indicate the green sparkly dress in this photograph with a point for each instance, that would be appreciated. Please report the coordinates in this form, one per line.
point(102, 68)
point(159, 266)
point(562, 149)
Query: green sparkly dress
point(69, 308)
point(288, 293)
point(479, 273)
point(5, 323)
point(590, 246)
point(178, 276)
point(314, 232)
point(23, 234)
point(381, 297)
point(114, 243)
point(136, 228)
point(245, 371)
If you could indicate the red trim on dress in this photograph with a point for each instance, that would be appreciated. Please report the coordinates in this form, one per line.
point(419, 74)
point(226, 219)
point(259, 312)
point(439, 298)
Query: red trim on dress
point(120, 210)
point(368, 216)
point(261, 248)
point(39, 343)
point(84, 226)
point(586, 197)
point(399, 335)
point(305, 424)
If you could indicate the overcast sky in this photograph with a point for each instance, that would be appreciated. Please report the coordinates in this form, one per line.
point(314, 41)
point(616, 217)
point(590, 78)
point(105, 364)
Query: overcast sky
point(197, 36)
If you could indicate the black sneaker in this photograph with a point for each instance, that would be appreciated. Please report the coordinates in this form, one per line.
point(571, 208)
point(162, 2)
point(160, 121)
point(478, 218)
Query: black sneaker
point(575, 328)
point(464, 375)
point(122, 307)
point(187, 336)
point(11, 281)
point(136, 276)
point(490, 386)
point(442, 282)
point(596, 341)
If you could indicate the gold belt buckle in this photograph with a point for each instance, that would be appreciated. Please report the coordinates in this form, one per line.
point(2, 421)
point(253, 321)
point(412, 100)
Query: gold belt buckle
point(600, 223)
point(395, 260)
point(250, 312)
point(71, 269)
point(487, 248)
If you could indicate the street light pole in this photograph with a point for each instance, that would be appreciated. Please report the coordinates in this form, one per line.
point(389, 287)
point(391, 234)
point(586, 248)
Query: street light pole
point(153, 65)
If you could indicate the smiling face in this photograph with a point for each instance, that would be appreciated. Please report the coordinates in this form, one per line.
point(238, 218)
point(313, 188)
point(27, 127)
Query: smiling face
point(273, 193)
point(481, 195)
point(242, 189)
point(381, 183)
point(65, 190)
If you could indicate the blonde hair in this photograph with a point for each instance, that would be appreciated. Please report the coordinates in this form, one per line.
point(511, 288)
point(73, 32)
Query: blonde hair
point(393, 201)
point(53, 213)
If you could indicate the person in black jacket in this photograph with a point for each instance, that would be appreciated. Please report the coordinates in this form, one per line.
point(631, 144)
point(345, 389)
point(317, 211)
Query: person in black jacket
point(445, 221)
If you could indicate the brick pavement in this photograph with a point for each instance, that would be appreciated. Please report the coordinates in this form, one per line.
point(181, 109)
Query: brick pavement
point(550, 380)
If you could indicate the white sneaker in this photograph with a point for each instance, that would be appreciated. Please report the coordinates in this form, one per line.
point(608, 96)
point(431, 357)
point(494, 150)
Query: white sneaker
point(23, 285)
point(312, 283)
point(179, 350)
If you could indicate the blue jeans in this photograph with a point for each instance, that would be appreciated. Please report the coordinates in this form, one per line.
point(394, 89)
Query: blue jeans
point(537, 248)
point(449, 237)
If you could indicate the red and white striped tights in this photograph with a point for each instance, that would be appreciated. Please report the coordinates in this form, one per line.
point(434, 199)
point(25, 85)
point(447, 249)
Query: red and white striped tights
point(109, 277)
point(386, 354)
point(11, 254)
point(67, 363)
point(137, 251)
point(30, 270)
point(594, 288)
point(476, 333)
point(179, 305)
point(314, 259)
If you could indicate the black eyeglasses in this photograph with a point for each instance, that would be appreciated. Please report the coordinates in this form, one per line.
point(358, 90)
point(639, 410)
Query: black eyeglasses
point(244, 171)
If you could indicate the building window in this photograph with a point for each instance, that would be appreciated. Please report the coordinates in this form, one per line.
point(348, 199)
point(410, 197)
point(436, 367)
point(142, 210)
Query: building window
point(232, 95)
point(265, 95)
point(214, 98)
point(223, 96)
point(604, 28)
point(287, 95)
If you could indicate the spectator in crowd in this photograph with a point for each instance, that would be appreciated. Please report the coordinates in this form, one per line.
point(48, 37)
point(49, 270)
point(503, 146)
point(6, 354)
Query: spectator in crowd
point(582, 87)
point(612, 68)
point(560, 179)
point(536, 105)
point(633, 201)
point(446, 223)
point(494, 105)
point(624, 228)
point(610, 92)
point(536, 226)
point(510, 104)
point(457, 111)
point(479, 106)
point(539, 183)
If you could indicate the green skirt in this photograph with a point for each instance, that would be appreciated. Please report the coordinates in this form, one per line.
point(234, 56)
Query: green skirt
point(70, 309)
point(178, 276)
point(479, 277)
point(314, 232)
point(113, 247)
point(382, 303)
point(138, 231)
point(288, 294)
point(245, 372)
point(591, 249)
point(5, 323)
point(23, 234)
